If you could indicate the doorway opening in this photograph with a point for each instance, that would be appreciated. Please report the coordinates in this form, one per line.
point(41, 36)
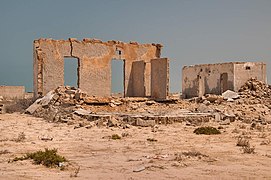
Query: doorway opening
point(71, 72)
point(224, 82)
point(117, 77)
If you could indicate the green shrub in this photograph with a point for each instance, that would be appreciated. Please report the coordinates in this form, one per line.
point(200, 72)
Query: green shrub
point(207, 130)
point(48, 158)
point(115, 137)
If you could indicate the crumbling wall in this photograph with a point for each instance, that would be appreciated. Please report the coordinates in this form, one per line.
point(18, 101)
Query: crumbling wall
point(12, 92)
point(244, 71)
point(207, 79)
point(159, 78)
point(94, 64)
point(137, 76)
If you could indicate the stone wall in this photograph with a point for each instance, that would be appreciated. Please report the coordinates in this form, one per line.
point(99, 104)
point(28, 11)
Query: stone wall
point(217, 78)
point(94, 65)
point(207, 79)
point(159, 78)
point(12, 92)
point(245, 71)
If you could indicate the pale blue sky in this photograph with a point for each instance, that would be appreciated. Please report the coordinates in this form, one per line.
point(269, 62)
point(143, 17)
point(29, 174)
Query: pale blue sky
point(192, 31)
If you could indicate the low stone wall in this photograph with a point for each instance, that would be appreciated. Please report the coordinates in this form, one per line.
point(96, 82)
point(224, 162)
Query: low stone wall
point(12, 92)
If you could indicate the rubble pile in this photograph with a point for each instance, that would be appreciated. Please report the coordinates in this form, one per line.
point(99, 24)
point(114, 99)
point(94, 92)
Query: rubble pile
point(255, 88)
point(71, 105)
point(251, 104)
point(59, 105)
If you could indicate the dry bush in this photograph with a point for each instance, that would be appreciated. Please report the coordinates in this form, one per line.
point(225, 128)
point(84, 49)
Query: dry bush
point(115, 137)
point(76, 171)
point(189, 154)
point(242, 141)
point(193, 154)
point(21, 137)
point(152, 140)
point(248, 150)
point(19, 105)
point(207, 130)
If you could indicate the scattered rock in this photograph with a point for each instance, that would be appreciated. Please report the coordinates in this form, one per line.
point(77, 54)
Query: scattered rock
point(139, 169)
point(230, 95)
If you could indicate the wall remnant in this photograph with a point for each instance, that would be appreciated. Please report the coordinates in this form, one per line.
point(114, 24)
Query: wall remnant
point(94, 65)
point(199, 80)
point(12, 92)
point(159, 78)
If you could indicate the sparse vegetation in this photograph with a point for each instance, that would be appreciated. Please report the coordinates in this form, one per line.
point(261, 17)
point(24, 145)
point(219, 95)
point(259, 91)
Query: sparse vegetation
point(48, 158)
point(21, 137)
point(207, 130)
point(242, 141)
point(189, 154)
point(76, 171)
point(152, 140)
point(248, 150)
point(115, 137)
point(193, 154)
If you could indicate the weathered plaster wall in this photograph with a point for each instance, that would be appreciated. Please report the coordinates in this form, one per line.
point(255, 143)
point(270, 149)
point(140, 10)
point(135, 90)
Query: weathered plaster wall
point(11, 92)
point(94, 56)
point(137, 76)
point(159, 78)
point(206, 79)
point(245, 71)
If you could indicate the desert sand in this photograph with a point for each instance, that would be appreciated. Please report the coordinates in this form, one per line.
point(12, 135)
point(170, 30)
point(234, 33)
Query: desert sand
point(178, 153)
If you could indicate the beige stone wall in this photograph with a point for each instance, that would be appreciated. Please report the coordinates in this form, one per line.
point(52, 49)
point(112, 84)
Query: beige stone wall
point(159, 78)
point(94, 56)
point(12, 92)
point(245, 71)
point(206, 79)
point(137, 88)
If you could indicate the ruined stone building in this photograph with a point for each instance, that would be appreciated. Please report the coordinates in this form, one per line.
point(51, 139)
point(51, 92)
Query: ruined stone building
point(203, 79)
point(145, 73)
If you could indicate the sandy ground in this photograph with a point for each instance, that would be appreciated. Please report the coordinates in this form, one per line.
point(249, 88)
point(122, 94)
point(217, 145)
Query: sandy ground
point(133, 156)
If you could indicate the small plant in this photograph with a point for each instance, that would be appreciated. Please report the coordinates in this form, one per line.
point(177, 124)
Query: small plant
point(207, 130)
point(248, 150)
point(48, 158)
point(193, 154)
point(76, 171)
point(21, 137)
point(115, 137)
point(189, 154)
point(152, 140)
point(242, 141)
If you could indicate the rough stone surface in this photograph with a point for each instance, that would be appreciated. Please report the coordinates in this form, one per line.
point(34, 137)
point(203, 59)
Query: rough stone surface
point(204, 79)
point(12, 92)
point(230, 95)
point(159, 78)
point(94, 65)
